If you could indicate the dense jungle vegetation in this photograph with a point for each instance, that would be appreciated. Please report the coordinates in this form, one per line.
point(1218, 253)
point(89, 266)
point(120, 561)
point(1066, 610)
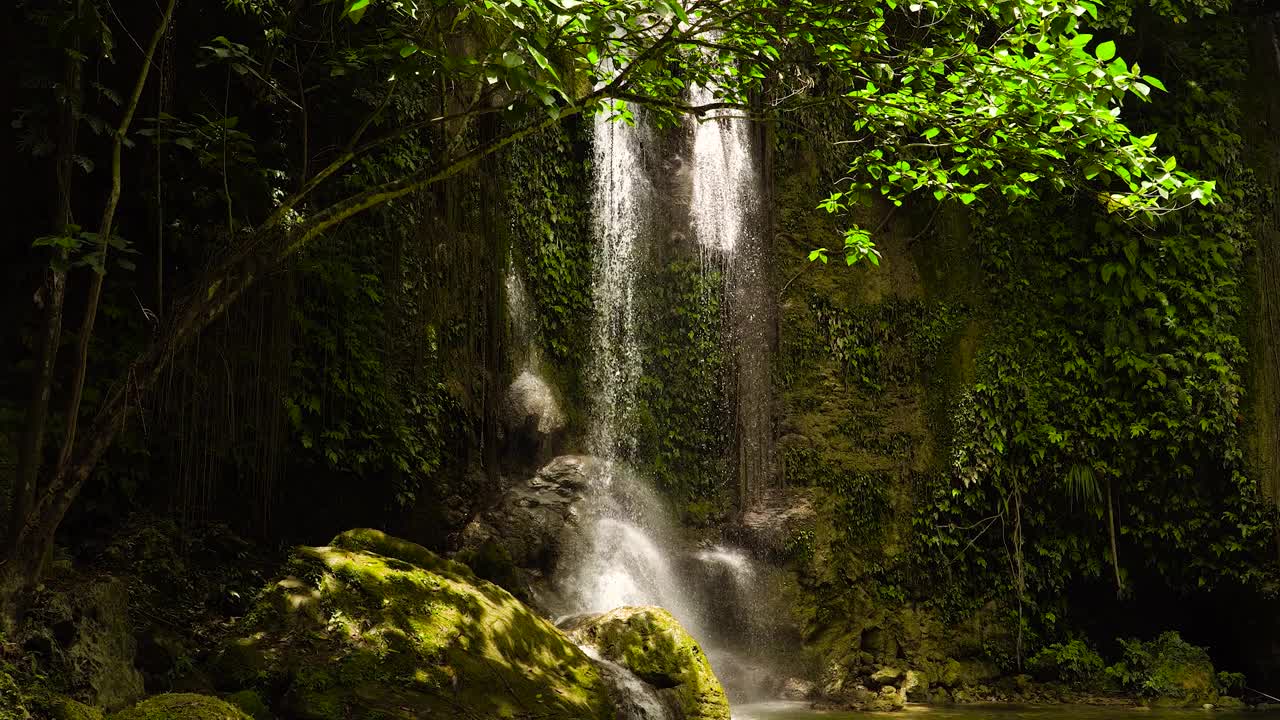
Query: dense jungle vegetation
point(277, 269)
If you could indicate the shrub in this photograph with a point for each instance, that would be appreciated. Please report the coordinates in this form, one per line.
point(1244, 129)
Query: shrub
point(1168, 667)
point(1073, 662)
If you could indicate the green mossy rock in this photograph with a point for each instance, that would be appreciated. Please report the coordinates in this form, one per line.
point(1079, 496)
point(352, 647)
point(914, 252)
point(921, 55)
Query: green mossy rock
point(61, 708)
point(12, 705)
point(251, 703)
point(182, 706)
point(650, 643)
point(374, 626)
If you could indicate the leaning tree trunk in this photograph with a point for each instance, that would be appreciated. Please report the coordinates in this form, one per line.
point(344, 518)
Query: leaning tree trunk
point(255, 254)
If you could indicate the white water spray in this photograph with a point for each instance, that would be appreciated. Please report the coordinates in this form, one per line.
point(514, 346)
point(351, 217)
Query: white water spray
point(724, 176)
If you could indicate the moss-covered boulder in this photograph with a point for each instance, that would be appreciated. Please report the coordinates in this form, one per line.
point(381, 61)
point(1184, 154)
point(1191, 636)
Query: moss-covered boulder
point(650, 643)
point(1169, 670)
point(252, 704)
point(375, 626)
point(62, 708)
point(181, 706)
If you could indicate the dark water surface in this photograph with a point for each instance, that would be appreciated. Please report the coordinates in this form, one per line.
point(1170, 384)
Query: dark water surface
point(801, 711)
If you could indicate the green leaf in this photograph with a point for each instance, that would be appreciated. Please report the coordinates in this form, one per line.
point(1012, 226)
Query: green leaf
point(1105, 51)
point(355, 10)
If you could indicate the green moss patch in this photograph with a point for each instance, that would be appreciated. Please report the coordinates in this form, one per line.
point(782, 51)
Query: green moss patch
point(375, 626)
point(651, 644)
point(181, 706)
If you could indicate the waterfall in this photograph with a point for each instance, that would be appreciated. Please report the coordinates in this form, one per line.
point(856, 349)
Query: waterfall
point(621, 205)
point(630, 550)
point(724, 173)
point(625, 553)
point(727, 218)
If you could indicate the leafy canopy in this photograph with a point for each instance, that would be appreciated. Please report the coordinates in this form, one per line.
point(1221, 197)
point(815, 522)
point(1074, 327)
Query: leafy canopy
point(955, 99)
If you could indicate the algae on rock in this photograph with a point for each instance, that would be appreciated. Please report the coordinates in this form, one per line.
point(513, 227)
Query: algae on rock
point(650, 643)
point(12, 706)
point(62, 708)
point(375, 626)
point(181, 706)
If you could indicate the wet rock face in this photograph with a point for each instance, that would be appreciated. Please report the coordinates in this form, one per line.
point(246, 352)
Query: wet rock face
point(532, 519)
point(652, 645)
point(775, 518)
point(798, 689)
point(375, 626)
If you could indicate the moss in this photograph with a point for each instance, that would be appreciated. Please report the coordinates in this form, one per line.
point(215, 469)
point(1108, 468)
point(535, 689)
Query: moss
point(492, 561)
point(251, 703)
point(181, 706)
point(1168, 669)
point(12, 704)
point(61, 708)
point(652, 645)
point(375, 626)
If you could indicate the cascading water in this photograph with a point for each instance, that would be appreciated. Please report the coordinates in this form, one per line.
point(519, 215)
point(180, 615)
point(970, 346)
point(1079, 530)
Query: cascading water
point(724, 177)
point(726, 219)
point(625, 555)
point(621, 203)
point(630, 550)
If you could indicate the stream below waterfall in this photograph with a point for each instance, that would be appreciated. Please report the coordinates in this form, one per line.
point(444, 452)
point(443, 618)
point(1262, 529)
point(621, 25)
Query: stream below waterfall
point(801, 711)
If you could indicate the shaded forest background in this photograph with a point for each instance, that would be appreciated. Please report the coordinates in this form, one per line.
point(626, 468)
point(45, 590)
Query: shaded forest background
point(1037, 414)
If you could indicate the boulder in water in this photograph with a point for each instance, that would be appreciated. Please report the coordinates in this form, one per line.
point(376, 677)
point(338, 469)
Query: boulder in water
point(182, 706)
point(375, 626)
point(650, 643)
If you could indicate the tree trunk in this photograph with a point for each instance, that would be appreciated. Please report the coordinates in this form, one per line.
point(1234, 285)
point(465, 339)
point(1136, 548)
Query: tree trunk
point(1111, 531)
point(104, 239)
point(53, 295)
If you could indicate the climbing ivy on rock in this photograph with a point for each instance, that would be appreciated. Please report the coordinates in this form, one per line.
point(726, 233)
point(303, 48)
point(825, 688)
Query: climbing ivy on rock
point(681, 403)
point(1106, 422)
point(548, 200)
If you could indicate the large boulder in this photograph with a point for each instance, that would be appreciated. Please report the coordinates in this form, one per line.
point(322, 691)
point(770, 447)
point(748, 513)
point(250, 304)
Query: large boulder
point(650, 643)
point(82, 629)
point(534, 422)
point(182, 706)
point(375, 626)
point(529, 524)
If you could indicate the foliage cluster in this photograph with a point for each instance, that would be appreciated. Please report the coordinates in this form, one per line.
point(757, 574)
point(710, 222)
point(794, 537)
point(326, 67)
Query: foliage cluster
point(1112, 377)
point(889, 342)
point(1170, 667)
point(545, 193)
point(680, 428)
point(1073, 661)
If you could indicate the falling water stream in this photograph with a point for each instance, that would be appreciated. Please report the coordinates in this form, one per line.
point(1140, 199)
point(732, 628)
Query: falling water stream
point(631, 552)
